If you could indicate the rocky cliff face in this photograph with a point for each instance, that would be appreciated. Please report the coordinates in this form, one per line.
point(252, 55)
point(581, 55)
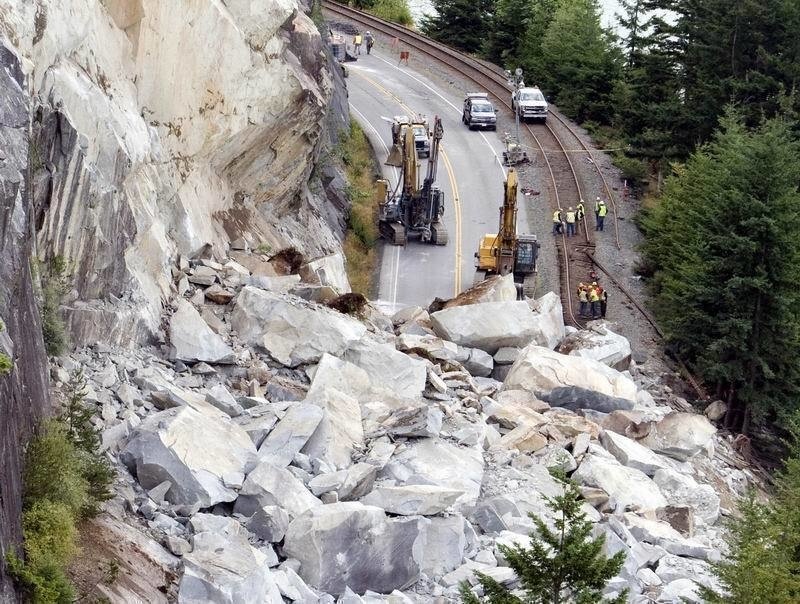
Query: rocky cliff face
point(23, 392)
point(162, 127)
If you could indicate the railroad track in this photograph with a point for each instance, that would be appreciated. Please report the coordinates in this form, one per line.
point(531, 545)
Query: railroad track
point(576, 255)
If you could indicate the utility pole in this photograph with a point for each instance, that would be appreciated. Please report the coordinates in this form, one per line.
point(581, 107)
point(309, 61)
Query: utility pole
point(516, 82)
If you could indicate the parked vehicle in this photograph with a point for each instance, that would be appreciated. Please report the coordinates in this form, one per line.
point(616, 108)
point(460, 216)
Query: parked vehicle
point(529, 103)
point(478, 111)
point(422, 136)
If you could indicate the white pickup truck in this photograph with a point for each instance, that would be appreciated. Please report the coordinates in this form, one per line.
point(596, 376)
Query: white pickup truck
point(529, 103)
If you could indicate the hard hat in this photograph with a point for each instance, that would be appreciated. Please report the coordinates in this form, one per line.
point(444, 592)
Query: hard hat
point(367, 31)
point(598, 199)
point(602, 203)
point(570, 207)
point(594, 282)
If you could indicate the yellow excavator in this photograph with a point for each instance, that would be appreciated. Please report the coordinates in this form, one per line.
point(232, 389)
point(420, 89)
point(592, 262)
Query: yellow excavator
point(506, 252)
point(411, 211)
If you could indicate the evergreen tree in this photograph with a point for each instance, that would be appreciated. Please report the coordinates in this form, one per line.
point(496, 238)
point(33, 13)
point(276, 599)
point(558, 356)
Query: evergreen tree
point(462, 24)
point(764, 560)
point(560, 566)
point(76, 417)
point(724, 244)
point(580, 64)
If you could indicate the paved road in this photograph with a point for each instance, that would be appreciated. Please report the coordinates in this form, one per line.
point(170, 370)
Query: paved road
point(470, 174)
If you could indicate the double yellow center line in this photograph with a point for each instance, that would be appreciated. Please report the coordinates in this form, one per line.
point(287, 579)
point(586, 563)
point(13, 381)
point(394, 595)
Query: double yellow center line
point(451, 176)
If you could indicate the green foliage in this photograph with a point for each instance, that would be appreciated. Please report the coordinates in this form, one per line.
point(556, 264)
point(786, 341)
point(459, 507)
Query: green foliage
point(263, 248)
point(461, 24)
point(55, 285)
point(763, 564)
point(579, 63)
point(560, 566)
point(724, 244)
point(65, 479)
point(54, 470)
point(396, 11)
point(6, 364)
point(633, 170)
point(355, 153)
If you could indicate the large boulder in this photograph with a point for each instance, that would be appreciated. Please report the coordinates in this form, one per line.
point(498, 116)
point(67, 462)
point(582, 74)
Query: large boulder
point(492, 325)
point(389, 367)
point(351, 545)
point(329, 271)
point(199, 455)
point(682, 490)
point(268, 484)
point(293, 334)
point(334, 373)
point(575, 399)
point(540, 369)
point(494, 289)
point(629, 487)
point(680, 435)
point(600, 344)
point(290, 434)
point(630, 453)
point(412, 500)
point(446, 541)
point(191, 339)
point(223, 568)
point(430, 461)
point(340, 431)
point(550, 315)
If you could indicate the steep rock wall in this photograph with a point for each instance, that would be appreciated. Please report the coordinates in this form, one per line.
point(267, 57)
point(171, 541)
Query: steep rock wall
point(23, 392)
point(160, 127)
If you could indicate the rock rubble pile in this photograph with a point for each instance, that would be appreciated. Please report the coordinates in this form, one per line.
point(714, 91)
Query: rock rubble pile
point(276, 450)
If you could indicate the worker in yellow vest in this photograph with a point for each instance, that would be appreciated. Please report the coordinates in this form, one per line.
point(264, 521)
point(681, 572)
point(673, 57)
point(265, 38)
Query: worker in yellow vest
point(570, 222)
point(558, 226)
point(357, 43)
point(600, 213)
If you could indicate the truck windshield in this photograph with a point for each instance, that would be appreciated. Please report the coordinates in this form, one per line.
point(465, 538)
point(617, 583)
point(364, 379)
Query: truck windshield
point(420, 131)
point(531, 96)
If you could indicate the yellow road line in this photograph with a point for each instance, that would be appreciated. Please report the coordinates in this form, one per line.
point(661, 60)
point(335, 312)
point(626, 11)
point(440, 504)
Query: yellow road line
point(457, 206)
point(450, 173)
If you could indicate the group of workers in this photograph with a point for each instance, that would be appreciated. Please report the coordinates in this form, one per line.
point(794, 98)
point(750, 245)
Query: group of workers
point(593, 299)
point(367, 38)
point(574, 217)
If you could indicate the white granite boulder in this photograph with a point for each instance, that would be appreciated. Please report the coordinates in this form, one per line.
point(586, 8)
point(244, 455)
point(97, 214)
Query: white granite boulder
point(680, 435)
point(540, 370)
point(629, 487)
point(198, 454)
point(191, 339)
point(292, 333)
point(348, 544)
point(491, 326)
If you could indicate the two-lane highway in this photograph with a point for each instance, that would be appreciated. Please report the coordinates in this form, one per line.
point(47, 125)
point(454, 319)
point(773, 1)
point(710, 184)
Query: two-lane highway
point(470, 175)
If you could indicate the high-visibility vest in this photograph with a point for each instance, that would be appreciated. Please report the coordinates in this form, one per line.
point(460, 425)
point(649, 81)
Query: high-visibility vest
point(603, 210)
point(593, 295)
point(582, 296)
point(357, 40)
point(570, 217)
point(557, 216)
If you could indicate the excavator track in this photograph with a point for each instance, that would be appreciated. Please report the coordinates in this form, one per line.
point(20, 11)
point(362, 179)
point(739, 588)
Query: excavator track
point(439, 234)
point(393, 232)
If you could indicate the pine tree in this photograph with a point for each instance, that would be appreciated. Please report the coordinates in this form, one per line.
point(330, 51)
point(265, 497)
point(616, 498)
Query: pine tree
point(76, 417)
point(560, 566)
point(462, 24)
point(580, 64)
point(724, 244)
point(764, 562)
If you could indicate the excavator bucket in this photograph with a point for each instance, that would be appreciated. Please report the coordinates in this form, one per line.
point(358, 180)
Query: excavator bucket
point(395, 157)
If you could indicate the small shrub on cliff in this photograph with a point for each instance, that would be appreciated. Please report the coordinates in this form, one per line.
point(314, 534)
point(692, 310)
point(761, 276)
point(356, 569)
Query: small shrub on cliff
point(560, 566)
point(6, 364)
point(55, 285)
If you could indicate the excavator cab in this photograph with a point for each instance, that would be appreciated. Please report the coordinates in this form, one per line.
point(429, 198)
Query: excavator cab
point(527, 254)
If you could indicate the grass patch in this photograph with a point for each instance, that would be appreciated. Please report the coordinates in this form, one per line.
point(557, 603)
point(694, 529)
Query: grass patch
point(65, 479)
point(355, 153)
point(396, 11)
point(6, 364)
